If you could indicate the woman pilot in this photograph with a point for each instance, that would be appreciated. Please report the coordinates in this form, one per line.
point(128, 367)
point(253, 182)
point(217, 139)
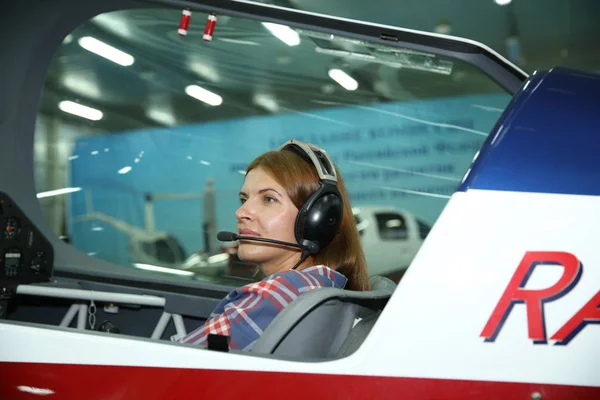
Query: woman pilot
point(294, 194)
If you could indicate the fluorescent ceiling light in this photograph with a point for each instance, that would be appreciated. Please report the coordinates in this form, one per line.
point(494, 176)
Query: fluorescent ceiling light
point(284, 33)
point(345, 80)
point(204, 95)
point(502, 2)
point(443, 27)
point(206, 71)
point(82, 86)
point(162, 116)
point(58, 192)
point(80, 110)
point(124, 170)
point(266, 101)
point(103, 50)
point(156, 268)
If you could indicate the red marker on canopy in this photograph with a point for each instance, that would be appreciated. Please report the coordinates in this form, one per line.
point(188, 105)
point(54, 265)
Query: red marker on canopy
point(186, 15)
point(210, 27)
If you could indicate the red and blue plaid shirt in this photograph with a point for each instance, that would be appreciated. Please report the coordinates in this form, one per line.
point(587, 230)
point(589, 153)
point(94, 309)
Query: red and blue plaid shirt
point(247, 311)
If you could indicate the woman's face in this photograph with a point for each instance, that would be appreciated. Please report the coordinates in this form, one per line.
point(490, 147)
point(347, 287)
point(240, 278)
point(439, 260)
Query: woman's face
point(266, 211)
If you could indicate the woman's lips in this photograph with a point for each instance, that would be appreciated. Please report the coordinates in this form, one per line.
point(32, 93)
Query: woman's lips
point(248, 232)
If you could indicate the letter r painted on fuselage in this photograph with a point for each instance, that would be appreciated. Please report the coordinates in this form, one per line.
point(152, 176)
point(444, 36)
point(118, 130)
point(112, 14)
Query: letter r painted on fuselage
point(534, 299)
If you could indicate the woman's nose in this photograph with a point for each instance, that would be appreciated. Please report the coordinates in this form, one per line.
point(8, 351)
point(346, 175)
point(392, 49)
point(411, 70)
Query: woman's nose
point(244, 212)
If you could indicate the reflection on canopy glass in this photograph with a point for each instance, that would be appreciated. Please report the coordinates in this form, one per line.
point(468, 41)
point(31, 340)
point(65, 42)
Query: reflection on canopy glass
point(152, 133)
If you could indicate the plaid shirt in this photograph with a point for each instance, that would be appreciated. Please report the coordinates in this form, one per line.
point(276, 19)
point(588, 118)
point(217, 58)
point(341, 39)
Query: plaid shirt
point(247, 311)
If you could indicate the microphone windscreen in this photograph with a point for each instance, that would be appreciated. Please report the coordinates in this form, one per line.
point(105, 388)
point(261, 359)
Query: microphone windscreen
point(225, 236)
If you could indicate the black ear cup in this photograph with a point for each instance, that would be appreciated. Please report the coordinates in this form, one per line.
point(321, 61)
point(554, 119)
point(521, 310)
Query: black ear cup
point(320, 217)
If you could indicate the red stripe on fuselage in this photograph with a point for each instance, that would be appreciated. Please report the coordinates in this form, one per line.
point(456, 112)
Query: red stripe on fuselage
point(68, 381)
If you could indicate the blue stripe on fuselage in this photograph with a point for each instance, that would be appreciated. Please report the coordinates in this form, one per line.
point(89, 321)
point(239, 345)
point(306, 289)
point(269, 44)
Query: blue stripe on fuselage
point(547, 140)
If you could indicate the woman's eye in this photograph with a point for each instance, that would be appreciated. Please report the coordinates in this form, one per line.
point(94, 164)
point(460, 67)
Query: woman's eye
point(270, 199)
point(242, 201)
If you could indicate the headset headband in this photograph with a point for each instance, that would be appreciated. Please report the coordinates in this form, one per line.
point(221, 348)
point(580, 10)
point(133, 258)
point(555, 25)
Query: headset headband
point(317, 156)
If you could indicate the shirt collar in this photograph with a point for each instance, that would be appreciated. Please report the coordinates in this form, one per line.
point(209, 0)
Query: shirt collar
point(339, 280)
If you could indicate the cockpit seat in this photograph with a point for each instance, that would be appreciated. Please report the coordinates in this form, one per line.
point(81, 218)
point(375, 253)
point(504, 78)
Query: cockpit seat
point(321, 323)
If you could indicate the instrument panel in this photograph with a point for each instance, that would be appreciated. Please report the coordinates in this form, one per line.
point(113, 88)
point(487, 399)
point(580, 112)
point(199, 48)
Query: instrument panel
point(26, 256)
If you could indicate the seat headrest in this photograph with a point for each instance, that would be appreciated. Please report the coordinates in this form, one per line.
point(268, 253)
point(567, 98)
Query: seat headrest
point(383, 284)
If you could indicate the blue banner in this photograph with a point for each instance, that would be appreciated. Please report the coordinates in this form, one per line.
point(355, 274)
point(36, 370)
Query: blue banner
point(406, 155)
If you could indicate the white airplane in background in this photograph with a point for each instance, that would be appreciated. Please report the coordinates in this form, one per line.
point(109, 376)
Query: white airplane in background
point(391, 238)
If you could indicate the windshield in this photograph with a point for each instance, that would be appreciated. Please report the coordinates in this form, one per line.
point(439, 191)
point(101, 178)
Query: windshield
point(143, 135)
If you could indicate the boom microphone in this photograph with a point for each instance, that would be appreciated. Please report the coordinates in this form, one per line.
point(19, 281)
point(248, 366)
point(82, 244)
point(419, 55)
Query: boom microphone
point(309, 246)
point(225, 236)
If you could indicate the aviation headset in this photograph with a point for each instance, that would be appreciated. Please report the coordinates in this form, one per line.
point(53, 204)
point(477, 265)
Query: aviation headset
point(320, 216)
